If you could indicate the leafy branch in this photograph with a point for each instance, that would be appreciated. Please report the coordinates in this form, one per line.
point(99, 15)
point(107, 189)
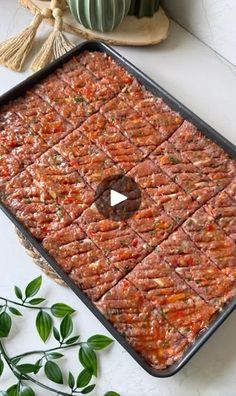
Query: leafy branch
point(25, 371)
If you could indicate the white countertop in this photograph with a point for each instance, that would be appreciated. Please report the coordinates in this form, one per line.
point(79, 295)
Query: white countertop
point(207, 85)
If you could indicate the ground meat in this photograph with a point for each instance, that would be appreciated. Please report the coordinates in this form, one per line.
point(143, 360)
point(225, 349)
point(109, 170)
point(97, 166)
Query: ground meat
point(106, 69)
point(231, 190)
point(207, 235)
point(116, 239)
point(63, 183)
point(132, 124)
point(153, 109)
point(34, 207)
point(155, 183)
point(80, 258)
point(151, 222)
point(204, 154)
point(9, 167)
point(42, 118)
point(161, 275)
point(223, 209)
point(100, 131)
point(143, 326)
point(196, 269)
point(64, 100)
point(92, 163)
point(170, 294)
point(24, 144)
point(184, 173)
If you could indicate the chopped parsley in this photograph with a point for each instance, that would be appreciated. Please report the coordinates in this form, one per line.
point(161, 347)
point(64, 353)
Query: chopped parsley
point(79, 99)
point(124, 243)
point(173, 160)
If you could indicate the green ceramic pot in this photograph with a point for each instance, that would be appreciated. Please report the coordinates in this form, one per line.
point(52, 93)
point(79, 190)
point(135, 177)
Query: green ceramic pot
point(100, 15)
point(144, 8)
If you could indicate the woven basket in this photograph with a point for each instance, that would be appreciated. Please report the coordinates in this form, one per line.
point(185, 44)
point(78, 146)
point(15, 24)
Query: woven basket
point(38, 259)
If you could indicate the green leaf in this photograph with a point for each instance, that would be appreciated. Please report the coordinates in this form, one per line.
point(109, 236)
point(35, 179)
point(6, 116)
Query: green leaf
point(53, 372)
point(27, 368)
point(56, 334)
point(54, 355)
point(13, 390)
point(60, 310)
point(38, 366)
point(88, 358)
point(98, 342)
point(89, 389)
point(1, 366)
point(72, 340)
point(84, 378)
point(36, 301)
point(18, 293)
point(16, 360)
point(33, 287)
point(111, 393)
point(66, 327)
point(71, 380)
point(5, 324)
point(15, 311)
point(26, 391)
point(44, 325)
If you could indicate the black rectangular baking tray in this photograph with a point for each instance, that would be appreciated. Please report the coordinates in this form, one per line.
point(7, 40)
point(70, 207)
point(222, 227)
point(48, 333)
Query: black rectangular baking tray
point(20, 90)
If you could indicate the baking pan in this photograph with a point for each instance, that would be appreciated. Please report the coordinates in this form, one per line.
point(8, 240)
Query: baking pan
point(20, 90)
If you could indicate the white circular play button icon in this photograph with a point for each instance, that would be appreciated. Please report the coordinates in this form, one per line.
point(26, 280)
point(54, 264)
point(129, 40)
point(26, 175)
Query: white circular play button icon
point(116, 198)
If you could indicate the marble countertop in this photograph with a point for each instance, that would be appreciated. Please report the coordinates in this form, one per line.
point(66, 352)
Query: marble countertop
point(205, 83)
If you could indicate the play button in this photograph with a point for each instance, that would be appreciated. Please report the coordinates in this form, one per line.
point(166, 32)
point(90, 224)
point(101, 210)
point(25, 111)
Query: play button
point(118, 197)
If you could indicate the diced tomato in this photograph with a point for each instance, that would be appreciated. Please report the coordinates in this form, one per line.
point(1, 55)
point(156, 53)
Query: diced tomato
point(74, 164)
point(210, 227)
point(5, 172)
point(163, 160)
point(134, 242)
point(68, 200)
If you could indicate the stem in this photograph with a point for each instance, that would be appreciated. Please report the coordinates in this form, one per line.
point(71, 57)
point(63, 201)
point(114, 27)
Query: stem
point(42, 352)
point(23, 304)
point(27, 377)
point(8, 361)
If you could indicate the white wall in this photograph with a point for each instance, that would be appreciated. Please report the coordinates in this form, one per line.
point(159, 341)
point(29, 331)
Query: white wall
point(212, 21)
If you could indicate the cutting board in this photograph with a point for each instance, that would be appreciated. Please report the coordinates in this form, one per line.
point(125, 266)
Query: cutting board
point(133, 31)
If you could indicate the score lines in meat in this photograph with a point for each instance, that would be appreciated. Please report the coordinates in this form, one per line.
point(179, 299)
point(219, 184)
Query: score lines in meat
point(142, 326)
point(196, 269)
point(80, 258)
point(207, 235)
point(170, 295)
point(34, 207)
point(63, 183)
point(120, 244)
point(91, 162)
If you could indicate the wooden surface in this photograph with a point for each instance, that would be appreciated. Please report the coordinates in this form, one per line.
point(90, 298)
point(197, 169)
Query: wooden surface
point(132, 31)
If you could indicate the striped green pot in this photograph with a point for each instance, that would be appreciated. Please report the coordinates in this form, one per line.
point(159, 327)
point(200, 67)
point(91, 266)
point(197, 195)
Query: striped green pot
point(100, 15)
point(144, 8)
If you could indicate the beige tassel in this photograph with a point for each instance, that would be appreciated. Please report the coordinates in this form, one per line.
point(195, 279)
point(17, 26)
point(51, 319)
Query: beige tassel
point(55, 46)
point(14, 51)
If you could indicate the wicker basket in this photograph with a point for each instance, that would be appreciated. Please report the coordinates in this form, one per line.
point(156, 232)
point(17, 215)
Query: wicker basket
point(38, 259)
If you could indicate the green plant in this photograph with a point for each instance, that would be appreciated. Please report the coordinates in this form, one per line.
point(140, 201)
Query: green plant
point(46, 360)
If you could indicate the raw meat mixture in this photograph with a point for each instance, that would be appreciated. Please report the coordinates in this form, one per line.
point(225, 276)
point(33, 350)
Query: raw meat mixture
point(161, 276)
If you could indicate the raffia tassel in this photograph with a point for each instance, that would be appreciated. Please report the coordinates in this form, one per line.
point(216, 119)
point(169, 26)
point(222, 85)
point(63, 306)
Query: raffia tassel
point(14, 51)
point(55, 46)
